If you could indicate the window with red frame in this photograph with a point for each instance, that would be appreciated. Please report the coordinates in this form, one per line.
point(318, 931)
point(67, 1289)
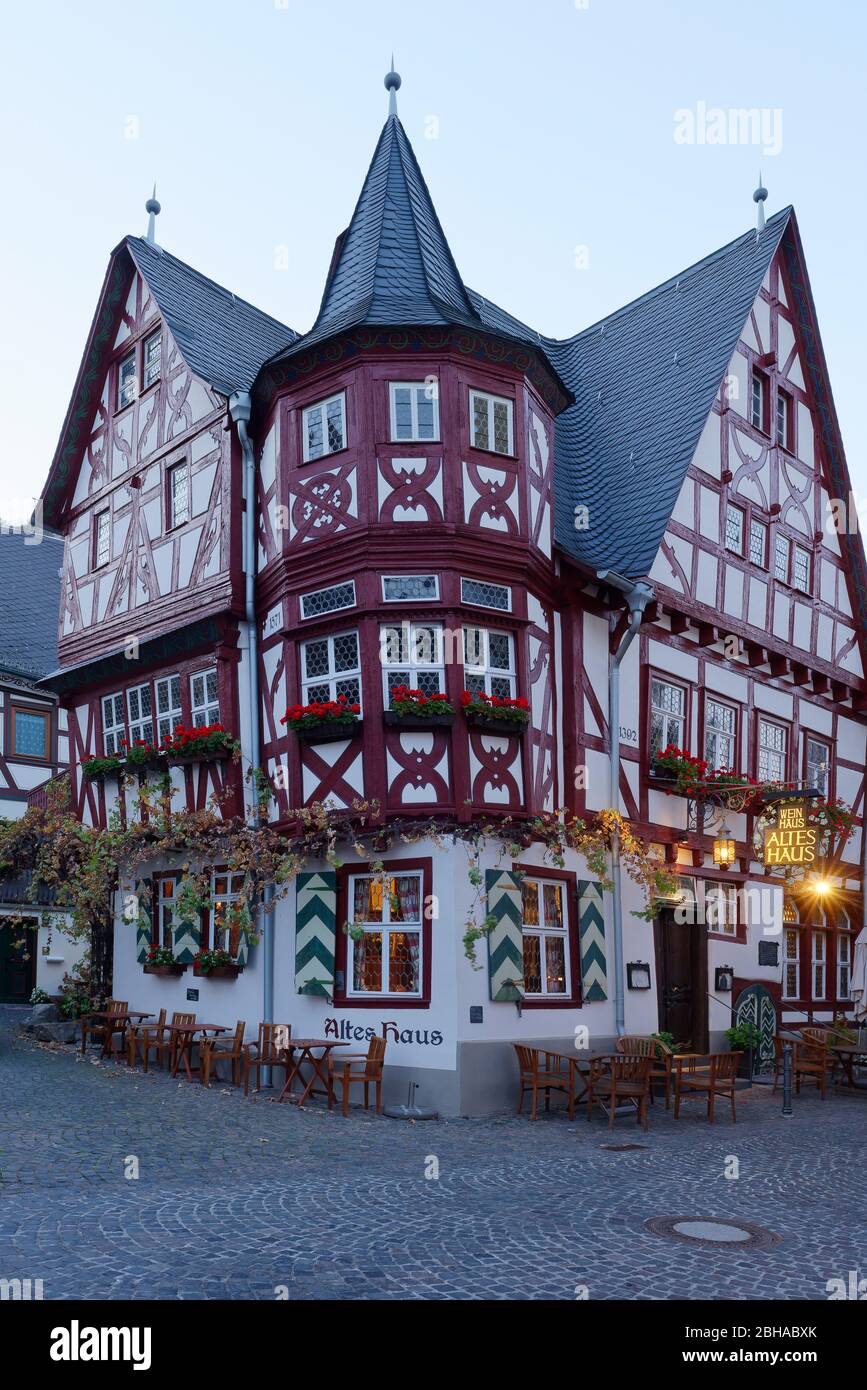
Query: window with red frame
point(385, 945)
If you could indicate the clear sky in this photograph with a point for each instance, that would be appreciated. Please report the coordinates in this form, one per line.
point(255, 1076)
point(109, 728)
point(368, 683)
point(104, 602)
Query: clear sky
point(546, 132)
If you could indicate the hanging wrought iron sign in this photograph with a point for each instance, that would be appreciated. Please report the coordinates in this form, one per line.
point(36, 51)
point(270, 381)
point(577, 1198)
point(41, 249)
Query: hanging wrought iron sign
point(790, 839)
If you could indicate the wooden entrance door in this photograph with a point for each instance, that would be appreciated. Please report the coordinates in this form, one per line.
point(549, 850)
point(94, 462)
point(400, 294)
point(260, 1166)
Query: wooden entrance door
point(17, 963)
point(681, 973)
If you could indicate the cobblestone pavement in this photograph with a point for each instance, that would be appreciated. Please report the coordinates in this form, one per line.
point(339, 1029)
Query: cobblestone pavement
point(240, 1198)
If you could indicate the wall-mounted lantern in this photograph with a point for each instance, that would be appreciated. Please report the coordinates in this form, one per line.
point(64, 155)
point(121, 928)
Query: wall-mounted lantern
point(724, 849)
point(637, 974)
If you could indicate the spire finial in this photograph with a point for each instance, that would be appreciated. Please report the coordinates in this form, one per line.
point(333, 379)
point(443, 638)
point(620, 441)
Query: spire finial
point(759, 197)
point(392, 82)
point(152, 208)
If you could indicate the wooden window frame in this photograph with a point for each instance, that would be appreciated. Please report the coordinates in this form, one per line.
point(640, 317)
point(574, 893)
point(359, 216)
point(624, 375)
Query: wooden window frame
point(411, 666)
point(762, 377)
point(17, 707)
point(172, 469)
point(95, 562)
point(815, 934)
point(413, 386)
point(205, 941)
point(711, 697)
point(757, 521)
point(157, 879)
point(334, 677)
point(574, 997)
point(731, 506)
point(148, 338)
point(342, 960)
point(738, 937)
point(487, 672)
point(133, 354)
point(656, 675)
point(322, 403)
point(492, 399)
point(809, 738)
point(787, 400)
point(763, 718)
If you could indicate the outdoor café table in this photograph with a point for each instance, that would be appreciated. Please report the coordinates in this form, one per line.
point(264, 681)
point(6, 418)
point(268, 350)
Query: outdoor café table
point(123, 1018)
point(305, 1046)
point(847, 1052)
point(578, 1066)
point(184, 1036)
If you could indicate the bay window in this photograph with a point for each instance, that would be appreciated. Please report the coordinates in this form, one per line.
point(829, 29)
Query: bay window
point(491, 423)
point(414, 410)
point(412, 655)
point(489, 663)
point(324, 427)
point(330, 667)
point(386, 939)
point(113, 723)
point(140, 712)
point(204, 700)
point(545, 938)
point(168, 693)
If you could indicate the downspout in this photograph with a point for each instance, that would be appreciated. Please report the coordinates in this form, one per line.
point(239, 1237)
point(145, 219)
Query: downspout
point(638, 595)
point(240, 408)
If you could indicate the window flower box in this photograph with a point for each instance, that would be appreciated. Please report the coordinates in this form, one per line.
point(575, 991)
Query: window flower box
point(412, 709)
point(96, 768)
point(161, 961)
point(323, 721)
point(215, 965)
point(209, 743)
point(492, 715)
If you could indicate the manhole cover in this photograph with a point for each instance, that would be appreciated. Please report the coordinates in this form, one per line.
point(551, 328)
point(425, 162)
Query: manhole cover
point(714, 1231)
point(622, 1148)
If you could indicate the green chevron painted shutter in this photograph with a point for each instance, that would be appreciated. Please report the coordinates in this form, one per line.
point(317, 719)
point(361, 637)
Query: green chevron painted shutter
point(186, 940)
point(143, 921)
point(505, 940)
point(243, 955)
point(315, 927)
point(591, 940)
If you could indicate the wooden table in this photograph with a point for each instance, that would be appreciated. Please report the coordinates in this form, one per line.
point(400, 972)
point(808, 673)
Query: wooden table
point(105, 1014)
point(184, 1037)
point(305, 1046)
point(847, 1052)
point(577, 1064)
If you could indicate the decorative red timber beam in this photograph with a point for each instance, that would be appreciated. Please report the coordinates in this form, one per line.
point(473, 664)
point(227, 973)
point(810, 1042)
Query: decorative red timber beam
point(652, 613)
point(679, 623)
point(859, 700)
point(840, 692)
point(767, 359)
point(801, 675)
point(821, 684)
point(756, 655)
point(707, 634)
point(780, 665)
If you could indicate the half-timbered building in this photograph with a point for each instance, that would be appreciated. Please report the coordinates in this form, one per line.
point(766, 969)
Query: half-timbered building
point(628, 529)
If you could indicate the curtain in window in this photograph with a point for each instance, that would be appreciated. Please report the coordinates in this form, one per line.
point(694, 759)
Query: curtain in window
point(405, 902)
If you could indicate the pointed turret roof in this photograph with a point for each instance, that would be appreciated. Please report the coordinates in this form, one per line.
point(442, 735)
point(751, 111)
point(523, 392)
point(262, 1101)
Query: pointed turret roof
point(393, 264)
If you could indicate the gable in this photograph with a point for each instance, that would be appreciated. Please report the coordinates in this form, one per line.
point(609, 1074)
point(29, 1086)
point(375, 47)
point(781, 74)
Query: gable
point(795, 579)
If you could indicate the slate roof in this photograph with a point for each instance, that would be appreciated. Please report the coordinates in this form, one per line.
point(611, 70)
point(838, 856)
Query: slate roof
point(393, 264)
point(29, 604)
point(644, 381)
point(222, 338)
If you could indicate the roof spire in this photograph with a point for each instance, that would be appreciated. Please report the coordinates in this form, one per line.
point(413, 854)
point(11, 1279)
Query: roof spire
point(759, 197)
point(392, 82)
point(152, 208)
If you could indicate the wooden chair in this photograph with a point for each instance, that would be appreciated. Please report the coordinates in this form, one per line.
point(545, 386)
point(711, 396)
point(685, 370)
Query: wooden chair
point(779, 1045)
point(718, 1079)
point(214, 1050)
point(135, 1034)
point(105, 1028)
point(267, 1051)
point(345, 1071)
point(620, 1077)
point(539, 1071)
point(660, 1055)
point(813, 1059)
point(163, 1043)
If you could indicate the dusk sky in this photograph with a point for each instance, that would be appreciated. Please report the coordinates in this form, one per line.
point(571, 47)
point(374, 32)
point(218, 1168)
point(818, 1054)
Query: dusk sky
point(551, 136)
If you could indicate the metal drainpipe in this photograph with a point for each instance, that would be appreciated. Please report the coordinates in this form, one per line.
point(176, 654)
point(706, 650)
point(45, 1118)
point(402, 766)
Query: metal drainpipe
point(240, 408)
point(638, 595)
